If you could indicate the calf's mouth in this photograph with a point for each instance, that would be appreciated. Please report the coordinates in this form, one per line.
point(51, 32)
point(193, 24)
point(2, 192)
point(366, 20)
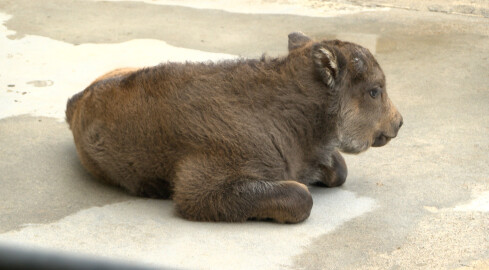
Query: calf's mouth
point(381, 140)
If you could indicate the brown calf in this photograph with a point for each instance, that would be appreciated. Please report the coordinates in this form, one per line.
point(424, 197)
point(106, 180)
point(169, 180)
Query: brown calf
point(240, 139)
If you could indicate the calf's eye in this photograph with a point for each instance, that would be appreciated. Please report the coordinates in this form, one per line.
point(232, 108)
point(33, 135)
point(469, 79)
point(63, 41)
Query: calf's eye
point(374, 92)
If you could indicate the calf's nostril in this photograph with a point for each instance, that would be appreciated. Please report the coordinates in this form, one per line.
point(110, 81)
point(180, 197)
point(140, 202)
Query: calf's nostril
point(400, 124)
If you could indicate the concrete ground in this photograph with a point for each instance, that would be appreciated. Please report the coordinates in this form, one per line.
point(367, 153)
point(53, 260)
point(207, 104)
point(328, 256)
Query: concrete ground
point(421, 202)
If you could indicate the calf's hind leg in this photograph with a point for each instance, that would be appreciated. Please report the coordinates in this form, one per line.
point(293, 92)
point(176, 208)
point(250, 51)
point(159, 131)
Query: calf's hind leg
point(207, 193)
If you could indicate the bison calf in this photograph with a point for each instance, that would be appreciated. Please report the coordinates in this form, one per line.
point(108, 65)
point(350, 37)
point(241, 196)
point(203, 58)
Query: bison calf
point(235, 140)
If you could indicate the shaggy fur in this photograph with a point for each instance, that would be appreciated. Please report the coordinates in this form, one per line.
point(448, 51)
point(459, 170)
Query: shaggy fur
point(235, 140)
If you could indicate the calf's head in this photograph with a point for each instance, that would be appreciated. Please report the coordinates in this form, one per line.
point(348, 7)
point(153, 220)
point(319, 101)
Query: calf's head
point(365, 114)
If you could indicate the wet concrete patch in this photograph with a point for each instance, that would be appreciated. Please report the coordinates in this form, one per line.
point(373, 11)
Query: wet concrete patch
point(79, 22)
point(42, 179)
point(444, 240)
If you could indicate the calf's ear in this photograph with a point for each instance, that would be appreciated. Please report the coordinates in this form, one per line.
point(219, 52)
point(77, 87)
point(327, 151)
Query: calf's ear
point(297, 39)
point(326, 62)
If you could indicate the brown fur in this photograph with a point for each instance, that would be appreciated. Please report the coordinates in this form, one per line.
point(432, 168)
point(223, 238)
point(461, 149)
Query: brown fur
point(235, 140)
